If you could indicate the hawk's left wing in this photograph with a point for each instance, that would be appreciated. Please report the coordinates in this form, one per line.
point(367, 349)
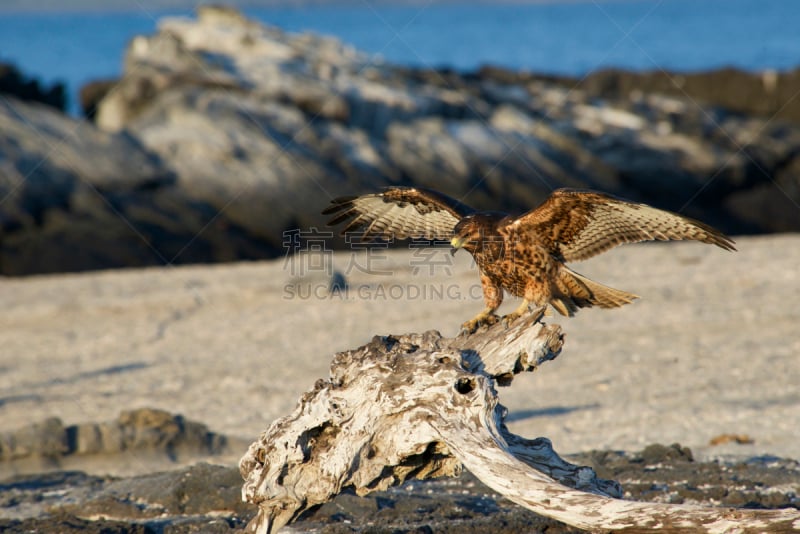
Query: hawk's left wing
point(399, 213)
point(577, 225)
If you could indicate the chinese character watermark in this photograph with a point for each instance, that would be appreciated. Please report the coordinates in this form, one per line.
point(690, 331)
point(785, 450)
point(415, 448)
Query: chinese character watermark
point(369, 261)
point(308, 251)
point(430, 254)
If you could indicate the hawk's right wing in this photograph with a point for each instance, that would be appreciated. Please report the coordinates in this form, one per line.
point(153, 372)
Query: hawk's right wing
point(576, 225)
point(399, 213)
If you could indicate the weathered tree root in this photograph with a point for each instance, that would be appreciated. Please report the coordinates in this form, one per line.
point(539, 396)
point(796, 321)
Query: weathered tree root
point(421, 406)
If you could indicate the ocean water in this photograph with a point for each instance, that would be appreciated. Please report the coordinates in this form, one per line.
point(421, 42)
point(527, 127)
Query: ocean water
point(571, 38)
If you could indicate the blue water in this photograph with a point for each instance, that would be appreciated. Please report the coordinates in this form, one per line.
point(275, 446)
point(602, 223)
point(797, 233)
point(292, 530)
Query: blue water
point(570, 38)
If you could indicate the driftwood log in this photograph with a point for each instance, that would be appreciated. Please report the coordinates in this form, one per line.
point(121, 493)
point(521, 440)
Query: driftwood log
point(422, 406)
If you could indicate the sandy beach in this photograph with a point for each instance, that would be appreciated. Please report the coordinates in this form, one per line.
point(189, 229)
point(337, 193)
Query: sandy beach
point(711, 348)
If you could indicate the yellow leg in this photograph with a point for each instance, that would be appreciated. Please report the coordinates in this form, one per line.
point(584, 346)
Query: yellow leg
point(487, 317)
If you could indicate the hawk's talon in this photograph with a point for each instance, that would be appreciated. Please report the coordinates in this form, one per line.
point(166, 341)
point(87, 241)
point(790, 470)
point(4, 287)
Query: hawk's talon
point(510, 318)
point(479, 320)
point(523, 308)
point(538, 312)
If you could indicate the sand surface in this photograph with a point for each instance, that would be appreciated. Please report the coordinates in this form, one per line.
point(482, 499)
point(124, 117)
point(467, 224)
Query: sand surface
point(712, 347)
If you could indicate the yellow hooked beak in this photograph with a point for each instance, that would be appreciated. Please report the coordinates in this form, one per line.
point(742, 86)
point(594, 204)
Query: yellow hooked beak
point(457, 243)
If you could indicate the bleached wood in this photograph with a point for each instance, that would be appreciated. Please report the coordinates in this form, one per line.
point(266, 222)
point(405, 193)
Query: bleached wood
point(421, 406)
point(504, 352)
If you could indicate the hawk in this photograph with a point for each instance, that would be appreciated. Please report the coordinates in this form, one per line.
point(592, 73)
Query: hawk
point(526, 255)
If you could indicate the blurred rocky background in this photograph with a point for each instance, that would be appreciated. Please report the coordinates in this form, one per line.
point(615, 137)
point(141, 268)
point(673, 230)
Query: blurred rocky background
point(224, 133)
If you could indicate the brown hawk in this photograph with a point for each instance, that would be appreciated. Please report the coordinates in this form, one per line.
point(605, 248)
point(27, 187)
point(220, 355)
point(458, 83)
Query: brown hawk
point(525, 255)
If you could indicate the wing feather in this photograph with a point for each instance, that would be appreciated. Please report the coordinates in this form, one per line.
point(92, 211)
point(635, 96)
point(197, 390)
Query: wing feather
point(399, 213)
point(576, 225)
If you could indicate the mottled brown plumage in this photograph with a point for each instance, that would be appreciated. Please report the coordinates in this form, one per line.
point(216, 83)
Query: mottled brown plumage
point(525, 255)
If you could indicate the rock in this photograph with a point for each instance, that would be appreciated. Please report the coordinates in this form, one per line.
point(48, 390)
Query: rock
point(88, 438)
point(223, 134)
point(92, 93)
point(72, 524)
point(77, 198)
point(68, 189)
point(156, 432)
point(656, 453)
point(233, 96)
point(40, 440)
point(768, 93)
point(14, 83)
point(777, 194)
point(310, 112)
point(207, 498)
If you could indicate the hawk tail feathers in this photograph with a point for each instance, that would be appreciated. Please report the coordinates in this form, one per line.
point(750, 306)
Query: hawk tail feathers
point(574, 291)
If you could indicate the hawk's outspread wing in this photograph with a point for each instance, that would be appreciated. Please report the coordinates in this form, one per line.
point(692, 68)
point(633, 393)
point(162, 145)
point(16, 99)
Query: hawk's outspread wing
point(399, 213)
point(576, 225)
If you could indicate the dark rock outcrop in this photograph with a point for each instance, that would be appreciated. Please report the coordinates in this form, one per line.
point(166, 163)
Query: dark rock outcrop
point(769, 94)
point(77, 198)
point(14, 83)
point(207, 498)
point(70, 192)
